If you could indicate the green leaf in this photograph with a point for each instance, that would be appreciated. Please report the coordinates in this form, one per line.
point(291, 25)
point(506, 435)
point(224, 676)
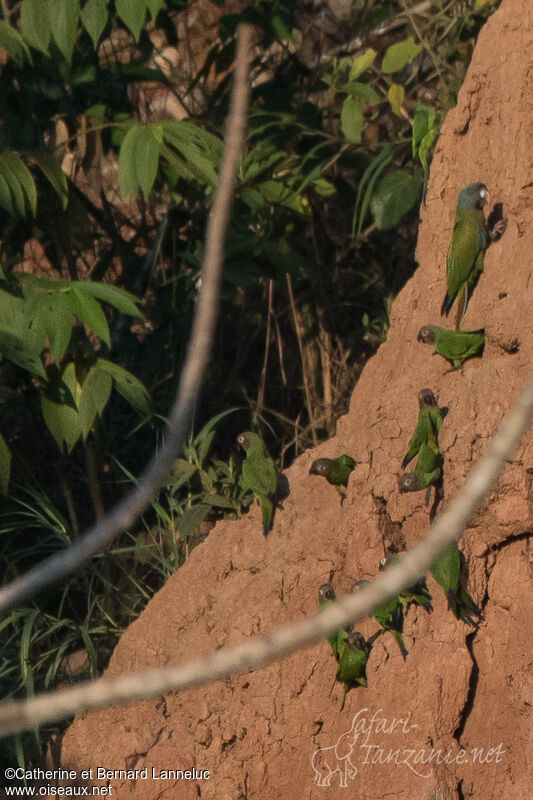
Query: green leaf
point(50, 316)
point(89, 312)
point(154, 7)
point(182, 471)
point(22, 177)
point(352, 119)
point(35, 24)
point(323, 187)
point(5, 465)
point(127, 177)
point(14, 44)
point(65, 24)
point(396, 95)
point(94, 398)
point(219, 501)
point(94, 16)
point(146, 158)
point(128, 386)
point(400, 54)
point(423, 118)
point(119, 298)
point(132, 13)
point(362, 90)
point(6, 201)
point(51, 168)
point(15, 349)
point(362, 63)
point(61, 419)
point(425, 148)
point(395, 195)
point(191, 518)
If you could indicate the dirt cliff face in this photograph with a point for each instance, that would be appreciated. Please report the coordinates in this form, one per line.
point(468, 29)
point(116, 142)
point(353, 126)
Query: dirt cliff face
point(279, 732)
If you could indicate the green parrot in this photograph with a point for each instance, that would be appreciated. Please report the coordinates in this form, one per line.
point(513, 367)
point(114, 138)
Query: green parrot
point(335, 470)
point(427, 473)
point(456, 346)
point(390, 616)
point(417, 594)
point(470, 239)
point(327, 596)
point(427, 427)
point(259, 475)
point(352, 662)
point(446, 570)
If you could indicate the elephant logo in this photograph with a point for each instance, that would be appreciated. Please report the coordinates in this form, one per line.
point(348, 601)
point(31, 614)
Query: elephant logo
point(326, 761)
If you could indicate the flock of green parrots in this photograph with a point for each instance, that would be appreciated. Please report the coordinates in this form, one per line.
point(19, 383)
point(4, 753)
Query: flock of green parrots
point(471, 236)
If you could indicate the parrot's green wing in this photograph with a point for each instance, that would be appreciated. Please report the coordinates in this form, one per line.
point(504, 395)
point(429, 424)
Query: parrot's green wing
point(259, 475)
point(446, 569)
point(423, 431)
point(457, 346)
point(465, 254)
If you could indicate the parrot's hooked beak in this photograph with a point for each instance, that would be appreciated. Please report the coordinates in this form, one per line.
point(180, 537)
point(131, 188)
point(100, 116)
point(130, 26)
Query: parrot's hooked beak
point(485, 197)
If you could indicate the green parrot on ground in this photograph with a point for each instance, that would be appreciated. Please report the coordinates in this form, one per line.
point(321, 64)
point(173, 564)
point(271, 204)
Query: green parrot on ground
point(335, 470)
point(390, 616)
point(427, 472)
point(327, 596)
point(446, 570)
point(259, 475)
point(353, 657)
point(470, 238)
point(417, 594)
point(428, 425)
point(456, 346)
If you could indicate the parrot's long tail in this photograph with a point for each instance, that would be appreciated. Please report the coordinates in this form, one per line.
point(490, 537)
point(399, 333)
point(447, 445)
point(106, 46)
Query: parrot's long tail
point(400, 642)
point(447, 303)
point(266, 513)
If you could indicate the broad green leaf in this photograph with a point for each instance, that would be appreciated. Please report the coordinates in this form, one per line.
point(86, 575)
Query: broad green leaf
point(64, 25)
point(425, 148)
point(12, 165)
point(396, 95)
point(132, 13)
point(88, 311)
point(362, 63)
point(323, 187)
point(146, 158)
point(128, 386)
point(5, 465)
point(95, 394)
point(59, 324)
point(6, 200)
point(14, 44)
point(191, 518)
point(49, 316)
point(400, 54)
point(395, 195)
point(94, 16)
point(219, 501)
point(362, 90)
point(61, 419)
point(154, 7)
point(52, 170)
point(35, 24)
point(119, 298)
point(352, 120)
point(15, 349)
point(127, 175)
point(421, 122)
point(182, 471)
